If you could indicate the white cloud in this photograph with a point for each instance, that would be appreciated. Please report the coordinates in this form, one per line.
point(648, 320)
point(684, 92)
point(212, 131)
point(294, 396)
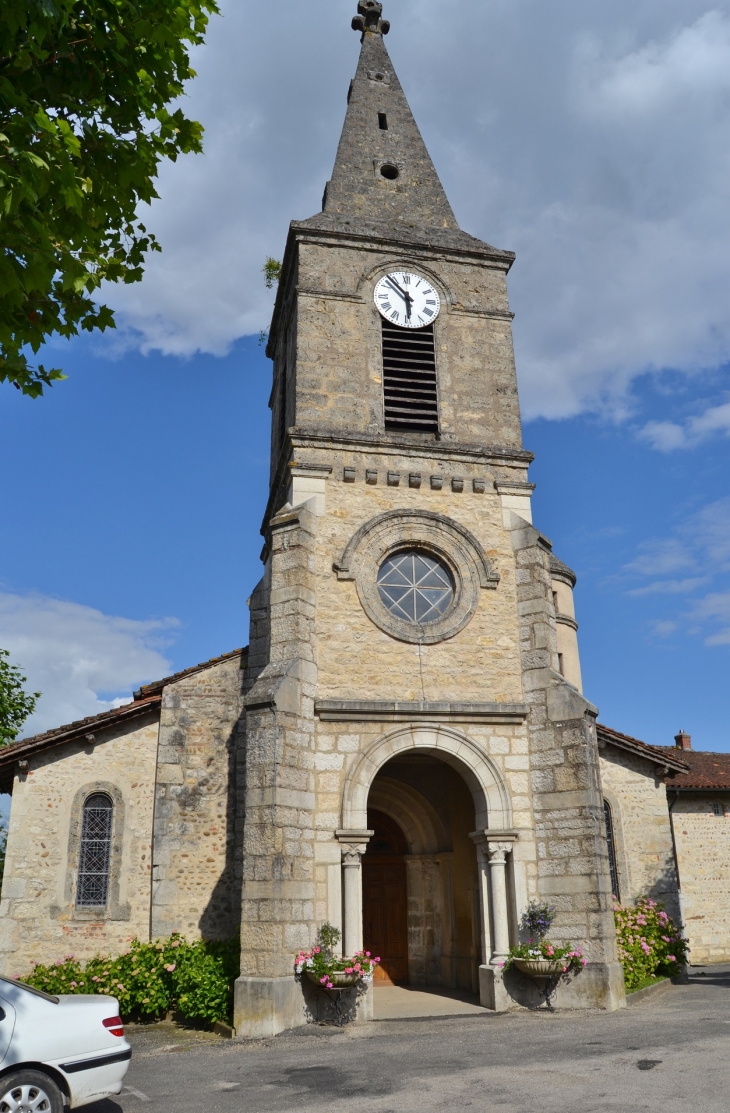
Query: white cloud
point(694, 61)
point(661, 557)
point(83, 661)
point(592, 139)
point(668, 435)
point(670, 587)
point(701, 542)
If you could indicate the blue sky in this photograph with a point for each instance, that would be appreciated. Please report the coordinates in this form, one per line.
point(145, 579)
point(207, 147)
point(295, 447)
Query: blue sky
point(593, 140)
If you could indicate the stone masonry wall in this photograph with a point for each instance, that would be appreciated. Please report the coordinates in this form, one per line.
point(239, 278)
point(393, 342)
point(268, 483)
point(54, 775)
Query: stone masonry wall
point(565, 777)
point(38, 918)
point(278, 834)
point(703, 851)
point(359, 660)
point(339, 359)
point(194, 889)
point(642, 834)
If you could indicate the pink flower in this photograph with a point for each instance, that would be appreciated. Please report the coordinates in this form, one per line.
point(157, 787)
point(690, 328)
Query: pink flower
point(348, 969)
point(584, 961)
point(376, 960)
point(73, 985)
point(550, 950)
point(68, 958)
point(316, 950)
point(671, 958)
point(324, 980)
point(330, 986)
point(170, 967)
point(565, 969)
point(95, 978)
point(367, 954)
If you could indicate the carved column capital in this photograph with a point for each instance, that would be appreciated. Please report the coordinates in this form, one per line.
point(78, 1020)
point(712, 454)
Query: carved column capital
point(354, 844)
point(498, 851)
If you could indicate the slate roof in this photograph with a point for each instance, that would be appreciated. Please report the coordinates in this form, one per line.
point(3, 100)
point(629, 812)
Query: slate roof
point(561, 568)
point(660, 755)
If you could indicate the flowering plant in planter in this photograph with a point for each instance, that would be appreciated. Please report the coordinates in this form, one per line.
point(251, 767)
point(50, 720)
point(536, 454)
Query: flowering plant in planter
point(330, 970)
point(566, 958)
point(558, 959)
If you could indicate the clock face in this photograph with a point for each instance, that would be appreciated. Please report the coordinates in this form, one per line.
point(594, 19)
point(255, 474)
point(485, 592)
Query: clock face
point(407, 299)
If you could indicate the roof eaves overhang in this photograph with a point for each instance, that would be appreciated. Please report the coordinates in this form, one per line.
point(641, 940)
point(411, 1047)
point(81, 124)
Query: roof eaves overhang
point(641, 749)
point(84, 729)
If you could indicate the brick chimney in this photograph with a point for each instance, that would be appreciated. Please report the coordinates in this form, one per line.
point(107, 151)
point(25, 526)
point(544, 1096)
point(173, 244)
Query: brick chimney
point(683, 741)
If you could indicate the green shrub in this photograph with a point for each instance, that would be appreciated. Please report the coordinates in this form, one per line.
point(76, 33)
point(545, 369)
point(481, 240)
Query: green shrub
point(649, 942)
point(194, 979)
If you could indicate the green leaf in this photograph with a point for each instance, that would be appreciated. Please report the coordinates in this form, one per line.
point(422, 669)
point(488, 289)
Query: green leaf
point(86, 117)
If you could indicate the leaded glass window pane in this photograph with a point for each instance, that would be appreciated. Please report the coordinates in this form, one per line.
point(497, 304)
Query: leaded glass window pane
point(415, 587)
point(95, 854)
point(610, 839)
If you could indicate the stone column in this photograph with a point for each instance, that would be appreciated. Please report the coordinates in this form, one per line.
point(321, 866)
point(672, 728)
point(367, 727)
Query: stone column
point(354, 845)
point(492, 850)
point(498, 852)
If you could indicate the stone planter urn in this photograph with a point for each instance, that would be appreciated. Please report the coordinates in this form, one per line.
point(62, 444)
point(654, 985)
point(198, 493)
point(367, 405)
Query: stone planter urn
point(536, 967)
point(339, 979)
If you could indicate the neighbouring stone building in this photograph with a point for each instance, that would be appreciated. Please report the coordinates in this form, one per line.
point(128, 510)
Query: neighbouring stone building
point(404, 748)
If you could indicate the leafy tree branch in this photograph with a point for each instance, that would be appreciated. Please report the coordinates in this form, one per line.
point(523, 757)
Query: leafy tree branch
point(15, 703)
point(86, 95)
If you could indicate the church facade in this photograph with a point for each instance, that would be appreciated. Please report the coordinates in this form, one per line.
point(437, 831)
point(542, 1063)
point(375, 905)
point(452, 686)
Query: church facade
point(404, 749)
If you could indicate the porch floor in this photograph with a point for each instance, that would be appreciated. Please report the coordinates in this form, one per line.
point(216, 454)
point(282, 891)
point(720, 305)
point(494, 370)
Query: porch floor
point(396, 1002)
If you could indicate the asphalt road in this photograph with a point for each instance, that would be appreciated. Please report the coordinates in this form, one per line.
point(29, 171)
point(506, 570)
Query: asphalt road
point(670, 1053)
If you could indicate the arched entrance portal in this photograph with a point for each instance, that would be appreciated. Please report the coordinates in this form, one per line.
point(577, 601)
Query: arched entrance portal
point(421, 909)
point(451, 805)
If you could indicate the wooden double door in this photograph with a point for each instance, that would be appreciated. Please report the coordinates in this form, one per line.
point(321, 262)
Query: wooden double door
point(385, 928)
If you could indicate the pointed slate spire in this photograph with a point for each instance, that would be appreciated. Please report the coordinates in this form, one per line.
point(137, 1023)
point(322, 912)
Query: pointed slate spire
point(383, 171)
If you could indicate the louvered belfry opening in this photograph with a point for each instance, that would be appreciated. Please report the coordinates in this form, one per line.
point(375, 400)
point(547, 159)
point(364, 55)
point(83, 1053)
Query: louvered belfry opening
point(409, 379)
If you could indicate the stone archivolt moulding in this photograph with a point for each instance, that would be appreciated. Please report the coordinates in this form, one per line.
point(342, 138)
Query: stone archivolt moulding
point(434, 534)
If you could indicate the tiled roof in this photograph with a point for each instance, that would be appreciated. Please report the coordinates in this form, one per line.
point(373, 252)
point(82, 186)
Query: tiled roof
point(706, 770)
point(79, 729)
point(146, 700)
point(157, 685)
point(662, 755)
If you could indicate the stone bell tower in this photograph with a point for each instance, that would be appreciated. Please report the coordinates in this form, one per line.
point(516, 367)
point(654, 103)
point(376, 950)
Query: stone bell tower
point(404, 666)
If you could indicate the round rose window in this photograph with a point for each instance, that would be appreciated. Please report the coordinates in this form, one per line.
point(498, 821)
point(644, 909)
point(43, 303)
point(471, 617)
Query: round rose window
point(415, 587)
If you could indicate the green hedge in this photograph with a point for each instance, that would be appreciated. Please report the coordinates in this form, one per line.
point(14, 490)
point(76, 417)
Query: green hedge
point(150, 979)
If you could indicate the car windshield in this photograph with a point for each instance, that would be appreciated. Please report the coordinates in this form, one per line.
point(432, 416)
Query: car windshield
point(30, 989)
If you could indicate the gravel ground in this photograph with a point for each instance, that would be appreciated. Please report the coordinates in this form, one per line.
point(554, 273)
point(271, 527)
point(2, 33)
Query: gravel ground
point(669, 1053)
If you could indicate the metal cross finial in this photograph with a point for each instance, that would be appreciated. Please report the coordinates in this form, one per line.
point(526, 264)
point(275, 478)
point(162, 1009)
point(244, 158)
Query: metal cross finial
point(368, 18)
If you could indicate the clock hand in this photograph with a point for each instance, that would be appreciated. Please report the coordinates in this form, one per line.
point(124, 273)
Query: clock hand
point(406, 297)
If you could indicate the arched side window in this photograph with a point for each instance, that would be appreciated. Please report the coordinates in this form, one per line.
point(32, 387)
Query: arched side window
point(92, 889)
point(611, 843)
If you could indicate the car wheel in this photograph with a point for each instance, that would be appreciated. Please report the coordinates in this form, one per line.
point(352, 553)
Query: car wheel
point(29, 1091)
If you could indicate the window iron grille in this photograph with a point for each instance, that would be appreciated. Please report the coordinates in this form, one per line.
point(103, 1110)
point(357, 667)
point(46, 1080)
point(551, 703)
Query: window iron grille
point(415, 587)
point(611, 842)
point(409, 379)
point(95, 852)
